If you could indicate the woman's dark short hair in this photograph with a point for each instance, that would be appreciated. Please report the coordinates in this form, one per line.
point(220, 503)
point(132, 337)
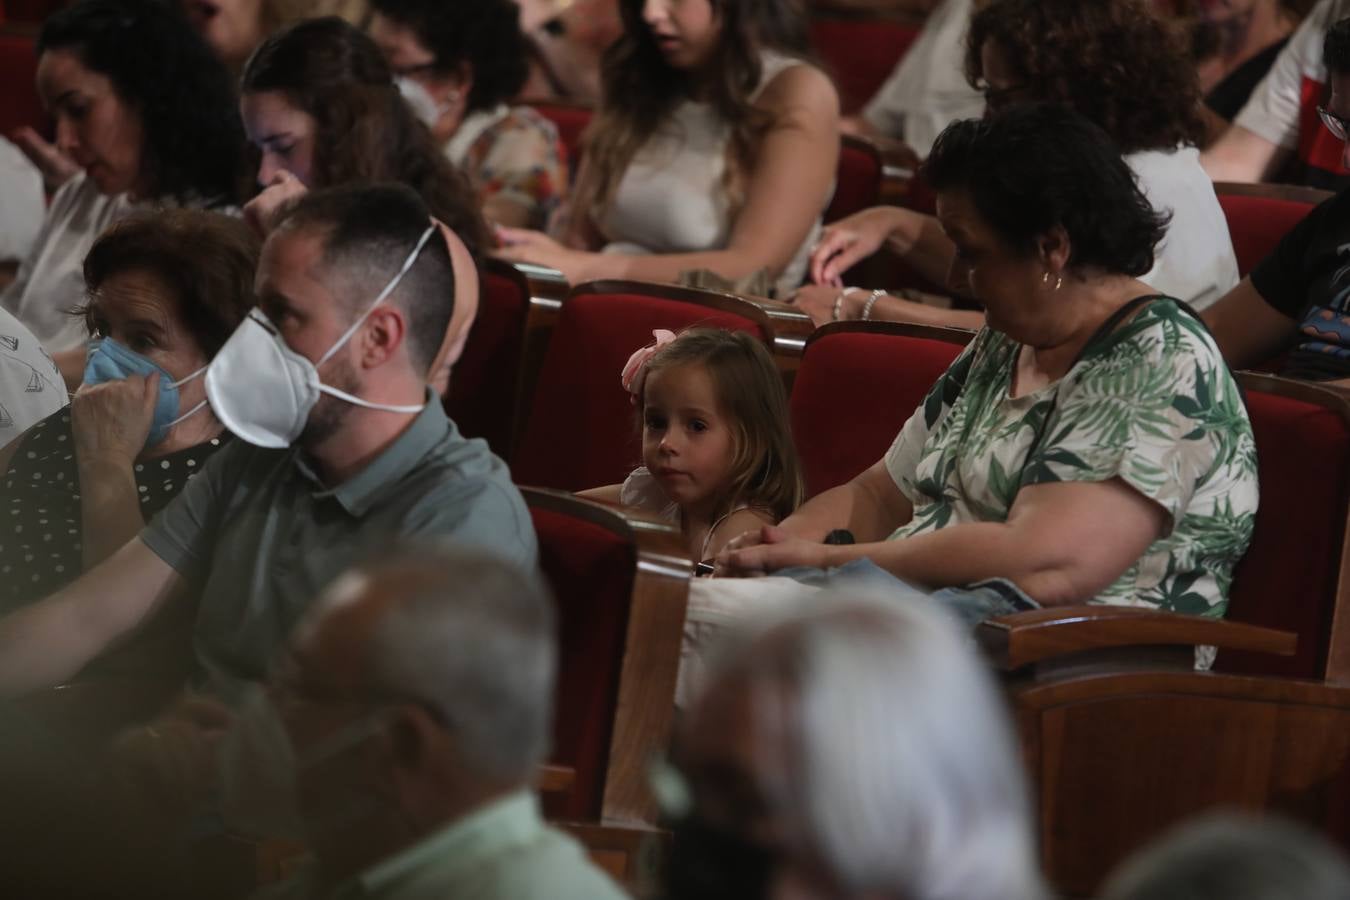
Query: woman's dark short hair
point(206, 259)
point(194, 143)
point(1039, 165)
point(483, 33)
point(1113, 61)
point(364, 131)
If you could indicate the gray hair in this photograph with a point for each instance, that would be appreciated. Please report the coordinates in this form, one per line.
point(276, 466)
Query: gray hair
point(1235, 857)
point(473, 637)
point(910, 783)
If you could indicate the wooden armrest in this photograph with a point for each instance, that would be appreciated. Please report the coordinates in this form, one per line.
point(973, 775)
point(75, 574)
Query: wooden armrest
point(551, 779)
point(1023, 639)
point(548, 286)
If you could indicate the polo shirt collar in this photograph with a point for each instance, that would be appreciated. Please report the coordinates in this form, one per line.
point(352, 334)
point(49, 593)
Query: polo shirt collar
point(511, 821)
point(358, 493)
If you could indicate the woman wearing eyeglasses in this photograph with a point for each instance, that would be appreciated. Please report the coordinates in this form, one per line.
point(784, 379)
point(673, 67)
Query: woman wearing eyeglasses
point(1112, 62)
point(459, 65)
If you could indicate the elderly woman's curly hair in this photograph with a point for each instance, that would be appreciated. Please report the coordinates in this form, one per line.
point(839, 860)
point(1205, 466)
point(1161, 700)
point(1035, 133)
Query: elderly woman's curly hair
point(1112, 61)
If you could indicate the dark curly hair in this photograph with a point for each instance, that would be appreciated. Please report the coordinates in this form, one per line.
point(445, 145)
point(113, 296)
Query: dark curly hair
point(194, 144)
point(207, 260)
point(1111, 60)
point(364, 130)
point(483, 33)
point(1054, 167)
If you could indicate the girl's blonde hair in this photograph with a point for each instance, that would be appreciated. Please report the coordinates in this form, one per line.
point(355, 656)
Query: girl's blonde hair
point(765, 471)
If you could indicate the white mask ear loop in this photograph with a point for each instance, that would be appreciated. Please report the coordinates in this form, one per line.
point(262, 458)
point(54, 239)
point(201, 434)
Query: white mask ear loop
point(388, 289)
point(196, 409)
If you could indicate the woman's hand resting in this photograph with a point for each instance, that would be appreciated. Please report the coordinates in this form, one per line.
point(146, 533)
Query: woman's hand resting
point(765, 551)
point(851, 240)
point(523, 245)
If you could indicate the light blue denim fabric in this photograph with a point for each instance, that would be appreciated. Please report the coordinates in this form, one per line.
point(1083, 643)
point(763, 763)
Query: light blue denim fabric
point(971, 605)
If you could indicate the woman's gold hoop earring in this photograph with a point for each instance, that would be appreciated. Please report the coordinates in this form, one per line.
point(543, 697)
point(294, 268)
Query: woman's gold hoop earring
point(1059, 281)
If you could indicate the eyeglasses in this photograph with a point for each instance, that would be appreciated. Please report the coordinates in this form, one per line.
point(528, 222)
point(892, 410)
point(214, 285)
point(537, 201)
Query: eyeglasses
point(1337, 125)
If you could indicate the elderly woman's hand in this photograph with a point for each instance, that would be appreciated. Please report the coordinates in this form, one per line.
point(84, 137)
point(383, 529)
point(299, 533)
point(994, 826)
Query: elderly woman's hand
point(853, 239)
point(262, 209)
point(112, 420)
point(522, 245)
point(766, 551)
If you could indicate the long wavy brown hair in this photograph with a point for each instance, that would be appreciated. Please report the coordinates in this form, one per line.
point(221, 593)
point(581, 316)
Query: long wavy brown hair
point(364, 130)
point(1112, 61)
point(640, 90)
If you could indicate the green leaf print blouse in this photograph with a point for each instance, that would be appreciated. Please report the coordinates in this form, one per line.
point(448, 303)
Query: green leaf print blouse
point(1151, 403)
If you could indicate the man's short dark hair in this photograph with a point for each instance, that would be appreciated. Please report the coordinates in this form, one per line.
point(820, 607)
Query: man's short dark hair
point(367, 233)
point(1336, 48)
point(1035, 166)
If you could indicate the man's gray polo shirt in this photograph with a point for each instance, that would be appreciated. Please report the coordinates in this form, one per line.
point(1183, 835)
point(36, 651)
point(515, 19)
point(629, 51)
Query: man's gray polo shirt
point(259, 536)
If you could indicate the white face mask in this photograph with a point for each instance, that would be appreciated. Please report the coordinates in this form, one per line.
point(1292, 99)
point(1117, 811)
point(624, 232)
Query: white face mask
point(263, 391)
point(259, 774)
point(420, 101)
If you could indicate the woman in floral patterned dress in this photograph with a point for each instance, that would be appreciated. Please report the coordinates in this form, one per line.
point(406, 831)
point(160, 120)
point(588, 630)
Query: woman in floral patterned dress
point(1089, 445)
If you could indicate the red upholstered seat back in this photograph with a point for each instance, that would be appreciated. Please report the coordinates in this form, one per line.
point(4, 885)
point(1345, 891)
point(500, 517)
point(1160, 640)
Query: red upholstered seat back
point(19, 103)
point(590, 570)
point(1288, 578)
point(571, 120)
point(1256, 225)
point(582, 430)
point(482, 398)
point(853, 392)
point(857, 181)
point(859, 53)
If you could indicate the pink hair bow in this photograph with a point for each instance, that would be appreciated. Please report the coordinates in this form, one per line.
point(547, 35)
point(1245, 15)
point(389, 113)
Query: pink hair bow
point(635, 370)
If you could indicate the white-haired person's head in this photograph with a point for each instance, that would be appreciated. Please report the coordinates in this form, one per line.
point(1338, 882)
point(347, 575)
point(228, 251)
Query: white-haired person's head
point(417, 688)
point(1234, 856)
point(855, 747)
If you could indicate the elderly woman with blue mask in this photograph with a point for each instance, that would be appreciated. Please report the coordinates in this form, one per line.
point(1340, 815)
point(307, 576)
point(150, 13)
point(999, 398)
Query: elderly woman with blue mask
point(165, 291)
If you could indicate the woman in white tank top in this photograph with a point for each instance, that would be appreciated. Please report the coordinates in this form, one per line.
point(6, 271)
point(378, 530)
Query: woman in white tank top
point(714, 149)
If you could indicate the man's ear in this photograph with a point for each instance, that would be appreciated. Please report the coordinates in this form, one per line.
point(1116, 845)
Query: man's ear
point(388, 331)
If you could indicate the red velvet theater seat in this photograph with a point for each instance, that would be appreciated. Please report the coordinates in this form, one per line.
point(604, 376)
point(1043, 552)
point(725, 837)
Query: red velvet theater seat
point(860, 54)
point(582, 429)
point(1259, 215)
point(1291, 575)
point(483, 386)
point(621, 583)
point(857, 385)
point(19, 103)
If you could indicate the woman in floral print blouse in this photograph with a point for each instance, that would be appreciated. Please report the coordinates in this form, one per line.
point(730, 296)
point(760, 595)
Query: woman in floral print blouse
point(1089, 445)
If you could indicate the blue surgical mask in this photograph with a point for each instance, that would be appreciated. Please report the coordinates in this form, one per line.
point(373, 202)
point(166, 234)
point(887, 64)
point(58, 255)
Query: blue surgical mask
point(110, 361)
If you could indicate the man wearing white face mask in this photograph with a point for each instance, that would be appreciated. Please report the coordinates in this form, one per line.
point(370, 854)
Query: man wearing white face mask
point(343, 449)
point(401, 732)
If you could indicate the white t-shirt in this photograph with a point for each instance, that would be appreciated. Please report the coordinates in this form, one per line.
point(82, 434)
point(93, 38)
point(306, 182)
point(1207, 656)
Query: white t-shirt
point(1195, 261)
point(31, 388)
point(24, 203)
point(928, 89)
point(51, 280)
